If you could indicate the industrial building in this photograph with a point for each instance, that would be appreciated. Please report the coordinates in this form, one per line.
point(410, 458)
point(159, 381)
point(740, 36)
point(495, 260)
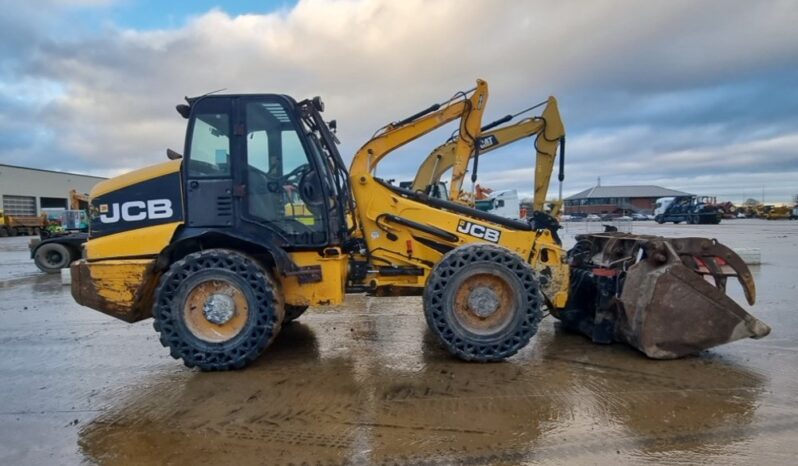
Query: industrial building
point(29, 191)
point(618, 199)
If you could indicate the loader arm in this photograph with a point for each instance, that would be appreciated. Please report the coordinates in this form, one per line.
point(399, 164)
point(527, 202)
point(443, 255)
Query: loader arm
point(468, 109)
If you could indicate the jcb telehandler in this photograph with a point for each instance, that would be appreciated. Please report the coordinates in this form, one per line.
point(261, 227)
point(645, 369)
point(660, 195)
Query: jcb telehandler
point(210, 245)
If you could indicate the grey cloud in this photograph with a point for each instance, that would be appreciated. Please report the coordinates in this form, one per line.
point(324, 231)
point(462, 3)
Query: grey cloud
point(649, 90)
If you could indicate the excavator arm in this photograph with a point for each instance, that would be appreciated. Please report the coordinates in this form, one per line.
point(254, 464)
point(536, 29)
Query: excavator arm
point(442, 159)
point(552, 135)
point(549, 130)
point(76, 199)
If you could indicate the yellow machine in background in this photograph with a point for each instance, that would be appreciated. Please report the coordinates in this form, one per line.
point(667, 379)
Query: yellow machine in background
point(213, 247)
point(550, 133)
point(21, 225)
point(776, 212)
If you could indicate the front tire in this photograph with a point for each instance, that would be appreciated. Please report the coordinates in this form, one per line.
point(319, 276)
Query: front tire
point(217, 310)
point(482, 302)
point(52, 257)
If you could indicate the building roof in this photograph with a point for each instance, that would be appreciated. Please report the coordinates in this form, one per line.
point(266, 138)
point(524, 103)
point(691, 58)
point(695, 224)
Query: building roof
point(636, 191)
point(51, 171)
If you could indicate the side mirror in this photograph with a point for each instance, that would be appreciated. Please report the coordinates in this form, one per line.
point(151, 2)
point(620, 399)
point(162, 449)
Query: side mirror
point(172, 155)
point(184, 110)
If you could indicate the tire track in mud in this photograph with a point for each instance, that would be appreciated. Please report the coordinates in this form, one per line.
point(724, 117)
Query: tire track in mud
point(584, 446)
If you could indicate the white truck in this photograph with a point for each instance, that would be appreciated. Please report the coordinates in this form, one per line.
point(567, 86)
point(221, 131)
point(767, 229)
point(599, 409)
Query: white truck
point(505, 203)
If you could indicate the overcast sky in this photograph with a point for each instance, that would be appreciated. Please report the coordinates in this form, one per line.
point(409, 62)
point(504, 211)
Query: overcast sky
point(695, 95)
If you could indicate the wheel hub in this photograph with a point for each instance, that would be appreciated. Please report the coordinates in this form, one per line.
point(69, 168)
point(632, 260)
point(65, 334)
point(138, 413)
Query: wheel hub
point(483, 301)
point(215, 310)
point(219, 308)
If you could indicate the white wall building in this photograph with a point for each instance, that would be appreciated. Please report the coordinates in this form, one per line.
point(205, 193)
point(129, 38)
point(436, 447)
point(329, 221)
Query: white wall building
point(26, 191)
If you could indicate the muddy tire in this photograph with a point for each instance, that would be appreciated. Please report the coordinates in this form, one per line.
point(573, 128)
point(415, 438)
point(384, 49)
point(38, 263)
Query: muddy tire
point(52, 257)
point(293, 313)
point(482, 302)
point(217, 310)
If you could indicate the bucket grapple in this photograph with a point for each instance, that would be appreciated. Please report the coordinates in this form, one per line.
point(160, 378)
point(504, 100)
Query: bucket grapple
point(664, 296)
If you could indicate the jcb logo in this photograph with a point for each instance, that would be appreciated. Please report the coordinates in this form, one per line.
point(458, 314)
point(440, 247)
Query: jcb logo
point(136, 211)
point(479, 231)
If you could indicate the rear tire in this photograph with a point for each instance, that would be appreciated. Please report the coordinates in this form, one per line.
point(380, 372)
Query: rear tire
point(217, 310)
point(482, 302)
point(3, 232)
point(52, 257)
point(293, 313)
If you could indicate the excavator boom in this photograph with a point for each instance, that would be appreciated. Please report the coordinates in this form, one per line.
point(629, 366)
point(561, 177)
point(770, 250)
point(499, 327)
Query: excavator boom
point(548, 127)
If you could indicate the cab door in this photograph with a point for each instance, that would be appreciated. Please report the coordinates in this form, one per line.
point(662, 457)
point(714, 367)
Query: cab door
point(284, 193)
point(209, 166)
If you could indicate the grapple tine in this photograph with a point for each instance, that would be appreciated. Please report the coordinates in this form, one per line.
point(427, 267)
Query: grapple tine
point(708, 250)
point(716, 272)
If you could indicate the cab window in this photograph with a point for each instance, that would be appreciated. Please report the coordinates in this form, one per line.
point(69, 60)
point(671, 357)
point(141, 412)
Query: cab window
point(210, 146)
point(282, 187)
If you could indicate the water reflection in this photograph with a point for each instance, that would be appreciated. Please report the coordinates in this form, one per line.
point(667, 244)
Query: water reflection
point(322, 395)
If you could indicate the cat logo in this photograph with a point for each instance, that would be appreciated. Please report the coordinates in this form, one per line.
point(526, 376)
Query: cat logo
point(487, 141)
point(479, 231)
point(136, 211)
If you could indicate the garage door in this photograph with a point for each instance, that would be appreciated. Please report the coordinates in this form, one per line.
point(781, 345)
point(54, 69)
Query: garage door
point(19, 205)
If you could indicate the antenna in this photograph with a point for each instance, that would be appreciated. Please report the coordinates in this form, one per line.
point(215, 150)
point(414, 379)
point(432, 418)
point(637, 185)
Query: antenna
point(214, 92)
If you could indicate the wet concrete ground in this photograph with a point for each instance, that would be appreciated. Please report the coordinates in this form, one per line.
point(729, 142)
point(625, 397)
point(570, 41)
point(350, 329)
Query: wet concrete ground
point(365, 383)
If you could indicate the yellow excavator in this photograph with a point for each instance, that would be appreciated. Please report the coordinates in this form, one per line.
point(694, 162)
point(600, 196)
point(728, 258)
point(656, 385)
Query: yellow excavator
point(210, 246)
point(550, 133)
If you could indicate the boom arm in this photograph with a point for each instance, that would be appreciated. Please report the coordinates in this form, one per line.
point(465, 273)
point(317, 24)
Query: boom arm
point(76, 198)
point(546, 147)
point(440, 160)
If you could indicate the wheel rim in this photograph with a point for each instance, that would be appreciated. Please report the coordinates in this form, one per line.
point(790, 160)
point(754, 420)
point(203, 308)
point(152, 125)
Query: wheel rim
point(54, 258)
point(215, 310)
point(484, 304)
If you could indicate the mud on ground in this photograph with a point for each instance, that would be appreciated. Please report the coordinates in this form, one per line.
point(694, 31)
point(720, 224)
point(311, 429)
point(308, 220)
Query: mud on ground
point(366, 383)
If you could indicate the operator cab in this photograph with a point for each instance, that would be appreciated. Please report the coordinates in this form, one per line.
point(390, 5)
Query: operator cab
point(265, 166)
